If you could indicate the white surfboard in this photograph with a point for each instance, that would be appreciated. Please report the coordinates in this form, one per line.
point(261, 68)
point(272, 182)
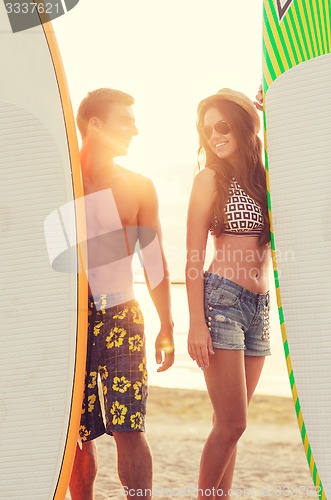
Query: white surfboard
point(297, 87)
point(43, 314)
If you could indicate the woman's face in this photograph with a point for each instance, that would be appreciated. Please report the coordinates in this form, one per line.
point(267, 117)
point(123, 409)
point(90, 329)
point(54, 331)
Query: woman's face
point(219, 136)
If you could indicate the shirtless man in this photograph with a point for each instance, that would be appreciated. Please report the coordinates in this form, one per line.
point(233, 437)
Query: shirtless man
point(121, 208)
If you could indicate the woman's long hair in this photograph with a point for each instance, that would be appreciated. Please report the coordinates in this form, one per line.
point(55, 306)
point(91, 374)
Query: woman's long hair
point(251, 176)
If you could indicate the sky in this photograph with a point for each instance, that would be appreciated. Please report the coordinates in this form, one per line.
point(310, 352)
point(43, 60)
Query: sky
point(169, 54)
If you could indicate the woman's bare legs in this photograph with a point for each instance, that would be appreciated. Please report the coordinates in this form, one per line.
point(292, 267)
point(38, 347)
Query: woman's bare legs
point(253, 369)
point(231, 379)
point(225, 379)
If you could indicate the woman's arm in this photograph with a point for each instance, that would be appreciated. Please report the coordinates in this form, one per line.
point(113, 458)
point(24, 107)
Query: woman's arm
point(198, 222)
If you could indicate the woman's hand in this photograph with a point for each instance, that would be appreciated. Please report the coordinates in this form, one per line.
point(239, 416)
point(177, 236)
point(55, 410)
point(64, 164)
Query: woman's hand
point(259, 99)
point(199, 345)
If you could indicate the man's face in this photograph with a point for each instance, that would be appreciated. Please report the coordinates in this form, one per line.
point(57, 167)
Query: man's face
point(117, 130)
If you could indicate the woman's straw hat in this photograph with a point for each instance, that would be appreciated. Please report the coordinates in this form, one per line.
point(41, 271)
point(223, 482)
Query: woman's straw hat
point(238, 98)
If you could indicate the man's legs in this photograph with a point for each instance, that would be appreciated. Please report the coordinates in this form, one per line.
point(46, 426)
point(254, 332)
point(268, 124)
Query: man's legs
point(135, 468)
point(124, 381)
point(85, 466)
point(84, 472)
point(119, 358)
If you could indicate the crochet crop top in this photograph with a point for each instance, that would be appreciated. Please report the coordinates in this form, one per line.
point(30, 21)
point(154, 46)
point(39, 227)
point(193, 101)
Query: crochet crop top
point(244, 216)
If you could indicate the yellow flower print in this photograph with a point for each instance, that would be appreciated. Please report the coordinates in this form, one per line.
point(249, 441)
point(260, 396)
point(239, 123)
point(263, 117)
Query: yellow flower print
point(118, 411)
point(116, 337)
point(142, 366)
point(122, 314)
point(91, 402)
point(103, 372)
point(103, 298)
point(96, 329)
point(105, 390)
point(136, 421)
point(84, 433)
point(137, 316)
point(93, 382)
point(137, 389)
point(135, 342)
point(121, 384)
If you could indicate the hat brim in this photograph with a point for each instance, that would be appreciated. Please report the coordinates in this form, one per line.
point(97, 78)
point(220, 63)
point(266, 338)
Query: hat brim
point(241, 100)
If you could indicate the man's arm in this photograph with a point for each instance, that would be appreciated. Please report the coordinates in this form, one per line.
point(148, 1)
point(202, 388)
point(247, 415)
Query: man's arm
point(156, 271)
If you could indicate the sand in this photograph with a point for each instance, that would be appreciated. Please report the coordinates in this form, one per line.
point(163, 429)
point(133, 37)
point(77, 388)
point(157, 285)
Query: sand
point(270, 452)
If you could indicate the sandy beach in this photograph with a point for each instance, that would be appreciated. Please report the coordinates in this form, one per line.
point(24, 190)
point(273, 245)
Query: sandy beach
point(270, 453)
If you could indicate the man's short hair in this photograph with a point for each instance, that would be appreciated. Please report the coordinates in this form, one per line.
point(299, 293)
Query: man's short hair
point(97, 103)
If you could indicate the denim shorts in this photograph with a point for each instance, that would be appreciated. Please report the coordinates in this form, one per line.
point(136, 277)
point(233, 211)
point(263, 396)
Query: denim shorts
point(237, 318)
point(115, 355)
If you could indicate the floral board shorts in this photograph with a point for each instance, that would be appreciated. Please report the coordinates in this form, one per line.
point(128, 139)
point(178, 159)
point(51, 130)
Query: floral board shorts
point(237, 318)
point(115, 353)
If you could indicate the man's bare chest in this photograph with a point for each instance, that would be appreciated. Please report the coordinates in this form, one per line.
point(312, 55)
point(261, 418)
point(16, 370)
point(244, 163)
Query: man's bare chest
point(109, 209)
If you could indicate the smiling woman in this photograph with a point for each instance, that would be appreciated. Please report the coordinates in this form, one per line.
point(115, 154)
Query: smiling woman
point(229, 304)
point(228, 125)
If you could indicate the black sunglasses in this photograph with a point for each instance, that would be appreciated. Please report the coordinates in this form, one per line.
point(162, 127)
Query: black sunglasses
point(221, 127)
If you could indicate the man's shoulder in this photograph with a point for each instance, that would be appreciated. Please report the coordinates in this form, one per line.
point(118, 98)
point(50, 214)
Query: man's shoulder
point(135, 177)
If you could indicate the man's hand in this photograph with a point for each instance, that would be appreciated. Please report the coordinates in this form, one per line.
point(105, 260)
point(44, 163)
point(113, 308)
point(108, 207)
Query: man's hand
point(164, 349)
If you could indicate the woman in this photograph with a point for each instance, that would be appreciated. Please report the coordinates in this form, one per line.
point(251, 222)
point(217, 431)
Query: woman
point(229, 304)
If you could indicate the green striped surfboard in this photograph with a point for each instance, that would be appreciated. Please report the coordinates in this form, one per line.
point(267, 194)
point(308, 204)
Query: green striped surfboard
point(297, 124)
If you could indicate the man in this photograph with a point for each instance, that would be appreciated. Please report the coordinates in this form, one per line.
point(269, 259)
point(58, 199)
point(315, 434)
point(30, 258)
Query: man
point(121, 208)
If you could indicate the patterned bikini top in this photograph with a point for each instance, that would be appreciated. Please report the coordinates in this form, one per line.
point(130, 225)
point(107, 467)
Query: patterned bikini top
point(244, 215)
